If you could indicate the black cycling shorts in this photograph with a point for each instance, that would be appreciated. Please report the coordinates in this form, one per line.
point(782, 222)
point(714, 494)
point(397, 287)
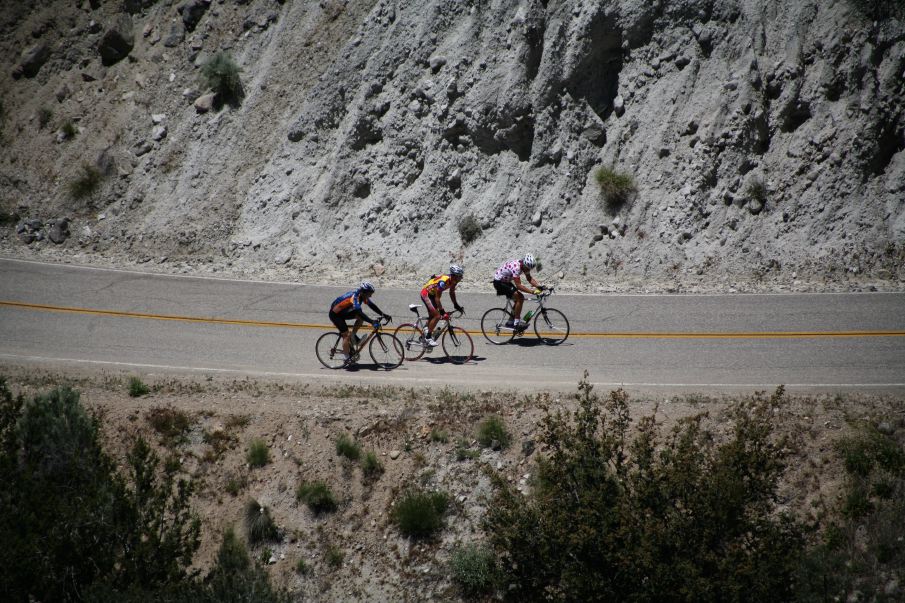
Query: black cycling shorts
point(339, 321)
point(507, 289)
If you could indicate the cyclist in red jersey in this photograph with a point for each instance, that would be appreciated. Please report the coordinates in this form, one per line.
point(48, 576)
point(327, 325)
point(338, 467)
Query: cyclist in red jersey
point(430, 295)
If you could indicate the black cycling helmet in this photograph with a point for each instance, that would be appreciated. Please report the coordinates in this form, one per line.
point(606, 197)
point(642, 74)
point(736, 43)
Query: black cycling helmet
point(365, 287)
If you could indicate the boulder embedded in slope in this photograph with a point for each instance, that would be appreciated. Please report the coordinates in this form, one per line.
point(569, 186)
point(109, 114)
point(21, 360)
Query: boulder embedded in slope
point(118, 41)
point(192, 11)
point(33, 58)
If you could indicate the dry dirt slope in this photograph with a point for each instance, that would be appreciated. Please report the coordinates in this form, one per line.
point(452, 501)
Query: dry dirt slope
point(416, 434)
point(370, 128)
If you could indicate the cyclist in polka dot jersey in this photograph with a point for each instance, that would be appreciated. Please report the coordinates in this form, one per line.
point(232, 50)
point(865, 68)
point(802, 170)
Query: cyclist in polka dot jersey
point(507, 280)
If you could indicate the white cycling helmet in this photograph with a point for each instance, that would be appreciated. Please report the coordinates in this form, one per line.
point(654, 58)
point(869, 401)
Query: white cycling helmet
point(456, 270)
point(528, 262)
point(365, 287)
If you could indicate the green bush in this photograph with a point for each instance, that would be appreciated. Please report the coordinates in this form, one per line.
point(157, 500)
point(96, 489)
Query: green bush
point(236, 483)
point(221, 74)
point(86, 182)
point(469, 228)
point(371, 467)
point(616, 187)
point(867, 450)
point(69, 523)
point(236, 578)
point(473, 568)
point(335, 557)
point(420, 514)
point(348, 448)
point(44, 117)
point(317, 496)
point(622, 516)
point(756, 190)
point(493, 429)
point(259, 525)
point(258, 453)
point(301, 567)
point(439, 435)
point(69, 130)
point(464, 452)
point(137, 387)
point(172, 425)
point(861, 544)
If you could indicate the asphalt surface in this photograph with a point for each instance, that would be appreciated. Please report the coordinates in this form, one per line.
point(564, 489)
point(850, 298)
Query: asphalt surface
point(103, 320)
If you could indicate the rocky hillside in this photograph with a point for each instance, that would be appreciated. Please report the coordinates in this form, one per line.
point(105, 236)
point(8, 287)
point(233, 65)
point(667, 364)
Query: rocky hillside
point(765, 138)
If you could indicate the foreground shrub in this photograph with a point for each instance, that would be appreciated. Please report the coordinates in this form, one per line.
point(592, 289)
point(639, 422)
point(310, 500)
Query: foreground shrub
point(646, 517)
point(860, 550)
point(259, 525)
point(473, 568)
point(616, 187)
point(258, 453)
point(69, 130)
point(469, 228)
point(420, 514)
point(756, 190)
point(317, 496)
point(235, 577)
point(492, 429)
point(371, 467)
point(348, 448)
point(86, 182)
point(137, 387)
point(221, 74)
point(68, 522)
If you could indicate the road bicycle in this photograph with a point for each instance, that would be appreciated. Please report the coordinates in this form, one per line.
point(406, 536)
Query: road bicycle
point(455, 341)
point(550, 325)
point(385, 348)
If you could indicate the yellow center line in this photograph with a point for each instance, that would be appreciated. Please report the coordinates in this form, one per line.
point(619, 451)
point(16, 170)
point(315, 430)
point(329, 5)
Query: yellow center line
point(600, 335)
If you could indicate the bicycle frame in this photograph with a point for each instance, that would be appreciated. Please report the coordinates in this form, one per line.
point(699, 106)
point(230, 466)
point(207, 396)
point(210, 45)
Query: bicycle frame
point(540, 300)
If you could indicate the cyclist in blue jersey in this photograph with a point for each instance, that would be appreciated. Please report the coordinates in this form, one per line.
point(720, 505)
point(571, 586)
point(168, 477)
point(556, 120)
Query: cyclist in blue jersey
point(349, 306)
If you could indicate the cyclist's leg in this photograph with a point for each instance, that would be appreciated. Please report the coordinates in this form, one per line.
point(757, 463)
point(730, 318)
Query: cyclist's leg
point(432, 314)
point(517, 300)
point(341, 326)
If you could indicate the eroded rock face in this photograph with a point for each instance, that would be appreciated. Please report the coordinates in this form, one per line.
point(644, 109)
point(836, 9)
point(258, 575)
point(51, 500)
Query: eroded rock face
point(374, 127)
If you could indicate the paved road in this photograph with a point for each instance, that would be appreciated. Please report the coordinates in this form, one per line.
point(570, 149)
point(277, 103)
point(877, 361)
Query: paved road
point(708, 343)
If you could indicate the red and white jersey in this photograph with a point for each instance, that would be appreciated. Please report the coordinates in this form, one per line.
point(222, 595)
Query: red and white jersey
point(508, 271)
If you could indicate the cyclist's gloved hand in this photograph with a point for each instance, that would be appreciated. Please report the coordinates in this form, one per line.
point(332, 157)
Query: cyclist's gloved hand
point(388, 318)
point(459, 308)
point(542, 287)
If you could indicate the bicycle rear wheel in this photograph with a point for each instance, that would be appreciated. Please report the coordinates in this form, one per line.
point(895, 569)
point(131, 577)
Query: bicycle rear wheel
point(551, 326)
point(457, 345)
point(412, 342)
point(386, 351)
point(329, 350)
point(493, 326)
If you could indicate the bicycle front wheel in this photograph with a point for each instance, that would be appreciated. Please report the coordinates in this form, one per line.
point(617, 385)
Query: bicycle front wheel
point(386, 351)
point(329, 350)
point(412, 342)
point(493, 326)
point(457, 345)
point(551, 326)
